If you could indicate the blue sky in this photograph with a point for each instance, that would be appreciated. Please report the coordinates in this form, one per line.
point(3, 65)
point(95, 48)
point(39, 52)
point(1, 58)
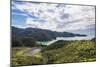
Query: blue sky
point(55, 17)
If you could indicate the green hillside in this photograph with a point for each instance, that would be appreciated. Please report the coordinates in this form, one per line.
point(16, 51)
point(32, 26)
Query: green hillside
point(70, 51)
point(59, 52)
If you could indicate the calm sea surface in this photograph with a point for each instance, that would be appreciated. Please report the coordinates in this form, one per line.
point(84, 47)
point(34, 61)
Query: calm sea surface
point(64, 38)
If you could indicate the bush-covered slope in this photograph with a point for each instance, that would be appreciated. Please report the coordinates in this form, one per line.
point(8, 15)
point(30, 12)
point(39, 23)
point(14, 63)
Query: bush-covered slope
point(59, 52)
point(41, 34)
point(70, 51)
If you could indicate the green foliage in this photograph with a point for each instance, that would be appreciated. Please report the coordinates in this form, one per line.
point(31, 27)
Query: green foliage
point(71, 51)
point(25, 42)
point(41, 34)
point(56, 45)
point(20, 59)
point(59, 52)
point(26, 60)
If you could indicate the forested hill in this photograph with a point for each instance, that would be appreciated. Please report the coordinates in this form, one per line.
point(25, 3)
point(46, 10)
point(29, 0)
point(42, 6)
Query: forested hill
point(40, 34)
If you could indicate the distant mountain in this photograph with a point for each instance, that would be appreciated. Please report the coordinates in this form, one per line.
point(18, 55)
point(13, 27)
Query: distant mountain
point(40, 34)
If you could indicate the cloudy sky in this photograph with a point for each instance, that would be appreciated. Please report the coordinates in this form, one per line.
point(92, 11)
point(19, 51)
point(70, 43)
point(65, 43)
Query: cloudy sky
point(55, 17)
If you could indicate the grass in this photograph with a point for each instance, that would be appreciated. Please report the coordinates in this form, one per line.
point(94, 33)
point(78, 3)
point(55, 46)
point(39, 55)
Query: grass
point(59, 52)
point(20, 50)
point(72, 51)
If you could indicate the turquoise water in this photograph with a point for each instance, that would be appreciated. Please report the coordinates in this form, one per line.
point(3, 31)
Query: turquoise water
point(63, 38)
point(43, 42)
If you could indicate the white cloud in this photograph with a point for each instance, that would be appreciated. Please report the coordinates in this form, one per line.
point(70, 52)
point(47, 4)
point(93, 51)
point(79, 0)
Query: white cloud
point(79, 17)
point(36, 24)
point(19, 14)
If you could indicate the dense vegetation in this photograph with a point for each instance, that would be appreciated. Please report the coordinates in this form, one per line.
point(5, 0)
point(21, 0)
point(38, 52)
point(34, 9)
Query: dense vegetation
point(41, 34)
point(25, 42)
point(19, 57)
point(72, 51)
point(59, 52)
